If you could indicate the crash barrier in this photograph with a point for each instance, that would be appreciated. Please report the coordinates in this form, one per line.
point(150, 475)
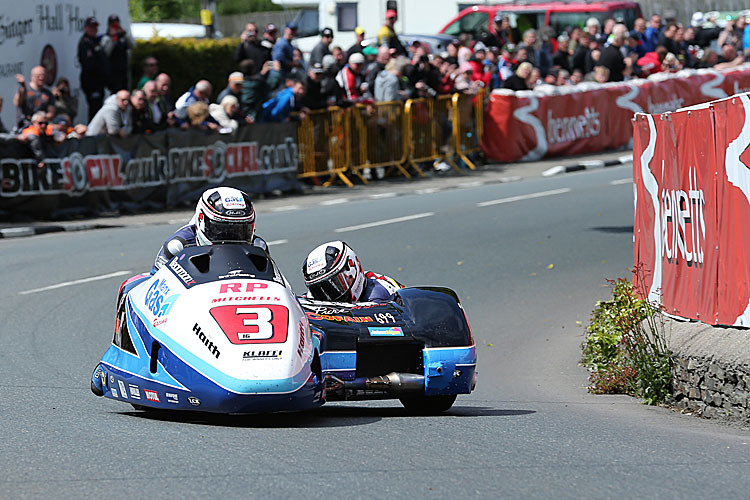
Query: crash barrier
point(392, 135)
point(323, 145)
point(692, 191)
point(165, 169)
point(590, 117)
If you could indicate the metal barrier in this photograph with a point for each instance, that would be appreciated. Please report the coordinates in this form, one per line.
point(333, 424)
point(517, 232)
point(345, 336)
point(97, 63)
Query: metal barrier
point(468, 124)
point(323, 145)
point(335, 142)
point(376, 138)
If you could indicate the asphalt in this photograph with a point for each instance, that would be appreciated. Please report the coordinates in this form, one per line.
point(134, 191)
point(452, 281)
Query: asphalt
point(433, 180)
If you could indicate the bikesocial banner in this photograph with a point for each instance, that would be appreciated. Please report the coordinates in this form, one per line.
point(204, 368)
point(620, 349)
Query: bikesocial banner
point(590, 117)
point(164, 169)
point(692, 188)
point(46, 33)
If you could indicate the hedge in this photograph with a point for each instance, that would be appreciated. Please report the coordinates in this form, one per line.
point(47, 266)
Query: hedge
point(188, 60)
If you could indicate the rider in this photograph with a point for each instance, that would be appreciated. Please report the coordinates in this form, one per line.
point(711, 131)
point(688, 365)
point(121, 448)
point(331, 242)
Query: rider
point(334, 273)
point(223, 215)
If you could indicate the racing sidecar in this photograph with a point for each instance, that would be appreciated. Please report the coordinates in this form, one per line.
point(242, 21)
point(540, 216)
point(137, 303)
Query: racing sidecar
point(219, 329)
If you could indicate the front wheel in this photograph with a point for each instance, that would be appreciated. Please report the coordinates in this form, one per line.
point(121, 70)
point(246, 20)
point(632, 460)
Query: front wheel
point(427, 405)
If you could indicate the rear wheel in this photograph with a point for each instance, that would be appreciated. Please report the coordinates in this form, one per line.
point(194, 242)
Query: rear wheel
point(427, 405)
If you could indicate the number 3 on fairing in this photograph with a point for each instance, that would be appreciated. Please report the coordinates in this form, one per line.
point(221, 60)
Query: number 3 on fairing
point(253, 324)
point(255, 317)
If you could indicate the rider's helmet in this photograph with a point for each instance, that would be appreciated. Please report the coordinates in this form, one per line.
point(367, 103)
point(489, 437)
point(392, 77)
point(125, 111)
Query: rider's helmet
point(224, 215)
point(333, 272)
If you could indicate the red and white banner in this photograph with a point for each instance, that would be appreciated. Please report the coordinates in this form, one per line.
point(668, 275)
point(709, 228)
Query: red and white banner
point(692, 207)
point(590, 117)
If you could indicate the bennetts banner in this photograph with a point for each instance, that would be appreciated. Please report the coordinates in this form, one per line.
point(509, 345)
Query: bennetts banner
point(166, 169)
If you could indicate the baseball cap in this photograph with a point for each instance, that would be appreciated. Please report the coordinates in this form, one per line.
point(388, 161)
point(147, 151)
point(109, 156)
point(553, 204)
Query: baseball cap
point(356, 58)
point(480, 46)
point(326, 32)
point(91, 21)
point(113, 18)
point(317, 68)
point(236, 77)
point(390, 13)
point(370, 51)
point(271, 28)
point(509, 47)
point(359, 30)
point(292, 25)
point(498, 17)
point(592, 21)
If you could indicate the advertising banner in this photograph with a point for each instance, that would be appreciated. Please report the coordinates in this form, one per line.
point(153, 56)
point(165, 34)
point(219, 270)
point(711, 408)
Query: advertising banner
point(164, 169)
point(590, 117)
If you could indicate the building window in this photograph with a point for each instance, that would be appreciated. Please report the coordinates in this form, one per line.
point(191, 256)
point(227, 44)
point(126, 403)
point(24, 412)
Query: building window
point(346, 13)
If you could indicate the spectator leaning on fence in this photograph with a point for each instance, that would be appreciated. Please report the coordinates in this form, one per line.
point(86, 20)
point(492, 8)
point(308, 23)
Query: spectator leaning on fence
point(65, 102)
point(388, 81)
point(224, 113)
point(156, 114)
point(200, 92)
point(314, 96)
point(32, 96)
point(114, 116)
point(279, 108)
point(35, 135)
point(350, 77)
point(140, 114)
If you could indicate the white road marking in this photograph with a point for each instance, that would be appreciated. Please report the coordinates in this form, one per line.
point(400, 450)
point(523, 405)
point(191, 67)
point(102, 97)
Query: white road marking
point(380, 196)
point(427, 191)
point(622, 181)
point(523, 197)
point(276, 242)
point(76, 282)
point(470, 184)
point(337, 201)
point(285, 208)
point(384, 222)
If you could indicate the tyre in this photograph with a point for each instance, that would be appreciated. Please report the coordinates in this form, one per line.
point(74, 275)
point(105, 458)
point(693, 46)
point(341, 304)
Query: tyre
point(427, 405)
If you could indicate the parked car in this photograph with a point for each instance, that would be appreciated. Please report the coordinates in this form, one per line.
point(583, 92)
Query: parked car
point(144, 31)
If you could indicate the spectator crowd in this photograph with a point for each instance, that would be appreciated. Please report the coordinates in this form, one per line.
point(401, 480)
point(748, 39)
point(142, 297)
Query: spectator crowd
point(272, 80)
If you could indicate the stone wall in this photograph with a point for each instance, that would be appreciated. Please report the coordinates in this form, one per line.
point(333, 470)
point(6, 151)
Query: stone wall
point(711, 376)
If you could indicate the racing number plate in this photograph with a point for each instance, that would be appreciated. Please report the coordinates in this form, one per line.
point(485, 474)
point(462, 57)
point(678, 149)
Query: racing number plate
point(253, 324)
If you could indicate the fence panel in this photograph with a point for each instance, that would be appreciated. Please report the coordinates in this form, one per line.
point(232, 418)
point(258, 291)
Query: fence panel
point(324, 149)
point(376, 138)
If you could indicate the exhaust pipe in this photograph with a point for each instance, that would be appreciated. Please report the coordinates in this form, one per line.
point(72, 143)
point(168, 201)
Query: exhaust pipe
point(396, 383)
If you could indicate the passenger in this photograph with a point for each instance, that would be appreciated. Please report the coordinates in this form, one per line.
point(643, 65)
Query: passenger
point(334, 273)
point(223, 215)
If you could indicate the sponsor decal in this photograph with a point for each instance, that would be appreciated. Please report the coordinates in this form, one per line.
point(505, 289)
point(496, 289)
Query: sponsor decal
point(341, 319)
point(234, 202)
point(122, 389)
point(326, 309)
point(246, 298)
point(181, 273)
point(135, 392)
point(158, 300)
point(114, 392)
point(238, 288)
point(236, 273)
point(235, 212)
point(194, 401)
point(111, 379)
point(315, 263)
point(160, 321)
point(683, 226)
point(152, 395)
point(171, 397)
point(571, 128)
point(253, 324)
point(657, 108)
point(386, 331)
point(206, 341)
point(254, 355)
point(301, 345)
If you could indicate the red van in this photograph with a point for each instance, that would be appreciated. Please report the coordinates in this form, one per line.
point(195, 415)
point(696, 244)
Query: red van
point(477, 20)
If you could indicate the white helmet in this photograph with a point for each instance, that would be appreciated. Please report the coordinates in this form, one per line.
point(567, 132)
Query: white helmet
point(224, 215)
point(333, 272)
